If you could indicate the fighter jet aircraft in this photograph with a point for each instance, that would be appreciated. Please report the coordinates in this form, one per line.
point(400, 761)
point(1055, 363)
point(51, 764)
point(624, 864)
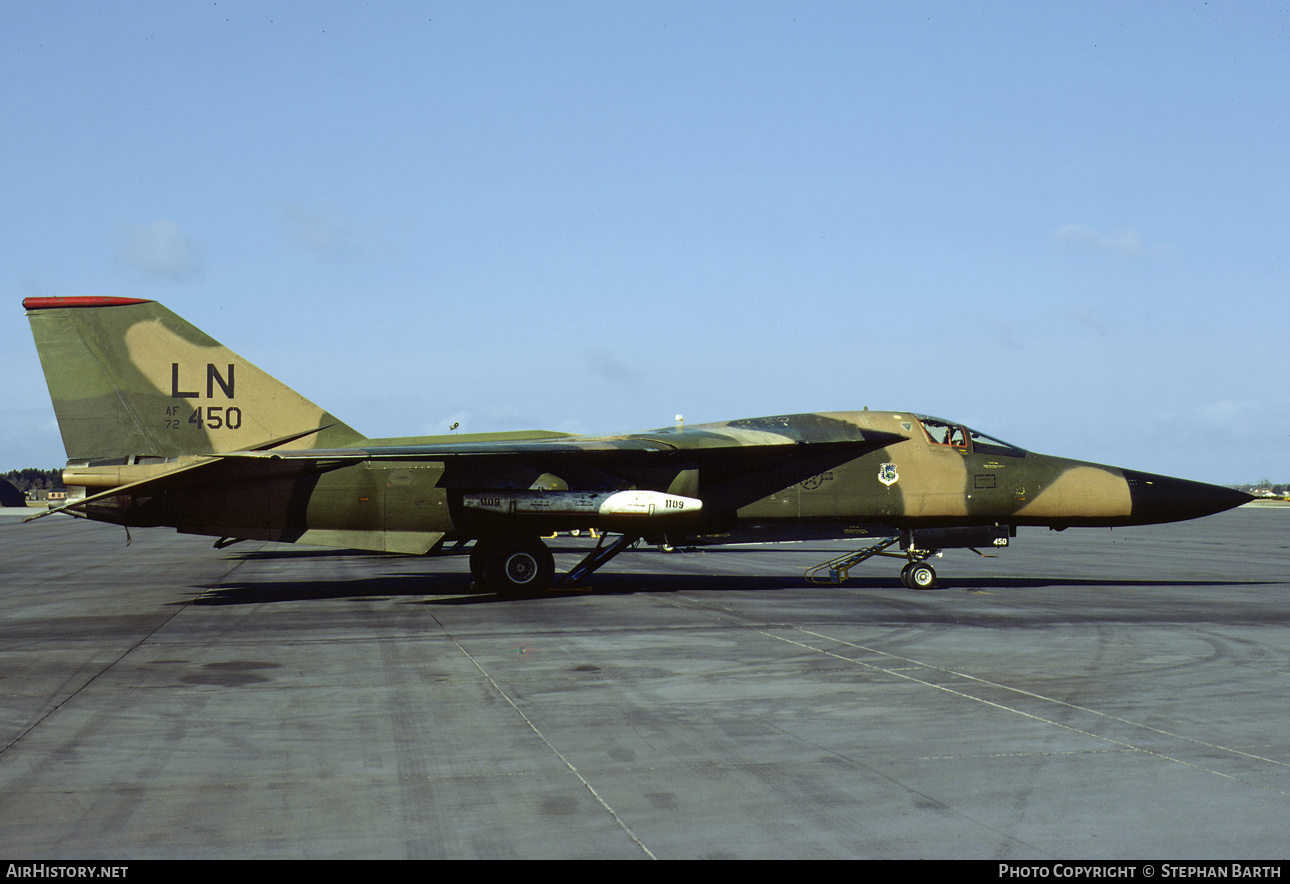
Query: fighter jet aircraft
point(164, 426)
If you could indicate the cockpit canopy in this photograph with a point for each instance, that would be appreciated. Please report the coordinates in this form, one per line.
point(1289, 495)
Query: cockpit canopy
point(942, 432)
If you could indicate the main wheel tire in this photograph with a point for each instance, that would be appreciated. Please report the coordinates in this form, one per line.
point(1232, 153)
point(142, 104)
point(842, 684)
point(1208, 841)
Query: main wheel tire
point(517, 565)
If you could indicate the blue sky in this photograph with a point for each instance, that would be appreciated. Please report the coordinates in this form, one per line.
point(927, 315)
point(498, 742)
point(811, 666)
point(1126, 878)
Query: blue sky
point(1064, 224)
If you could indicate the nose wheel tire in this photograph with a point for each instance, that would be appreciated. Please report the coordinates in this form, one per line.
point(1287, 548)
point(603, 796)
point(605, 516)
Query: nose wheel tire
point(918, 575)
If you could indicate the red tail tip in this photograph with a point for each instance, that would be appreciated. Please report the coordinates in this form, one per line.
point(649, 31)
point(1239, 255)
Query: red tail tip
point(46, 303)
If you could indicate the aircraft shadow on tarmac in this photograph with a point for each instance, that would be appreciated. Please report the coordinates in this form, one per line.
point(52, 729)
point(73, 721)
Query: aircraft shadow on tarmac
point(455, 588)
point(637, 583)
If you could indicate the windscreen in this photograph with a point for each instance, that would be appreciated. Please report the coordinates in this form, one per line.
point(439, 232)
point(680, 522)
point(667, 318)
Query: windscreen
point(942, 432)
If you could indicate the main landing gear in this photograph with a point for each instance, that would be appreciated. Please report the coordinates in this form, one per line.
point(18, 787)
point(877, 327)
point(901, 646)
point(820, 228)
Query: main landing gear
point(521, 564)
point(512, 564)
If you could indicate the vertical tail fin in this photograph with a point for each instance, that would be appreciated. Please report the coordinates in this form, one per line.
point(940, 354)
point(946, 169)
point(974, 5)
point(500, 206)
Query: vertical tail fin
point(128, 377)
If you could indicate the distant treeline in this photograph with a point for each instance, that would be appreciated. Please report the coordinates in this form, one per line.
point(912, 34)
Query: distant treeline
point(32, 479)
point(1265, 485)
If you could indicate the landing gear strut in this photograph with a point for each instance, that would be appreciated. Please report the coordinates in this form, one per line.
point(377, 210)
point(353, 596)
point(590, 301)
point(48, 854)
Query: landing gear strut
point(598, 556)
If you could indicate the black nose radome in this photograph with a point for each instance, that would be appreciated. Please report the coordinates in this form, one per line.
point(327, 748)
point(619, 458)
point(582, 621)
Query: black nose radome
point(1165, 499)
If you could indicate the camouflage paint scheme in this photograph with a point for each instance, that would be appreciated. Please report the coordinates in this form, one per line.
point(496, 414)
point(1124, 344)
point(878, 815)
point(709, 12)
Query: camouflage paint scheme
point(165, 426)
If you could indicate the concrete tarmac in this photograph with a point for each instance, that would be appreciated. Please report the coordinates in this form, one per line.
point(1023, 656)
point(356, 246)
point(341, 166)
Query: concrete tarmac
point(1087, 694)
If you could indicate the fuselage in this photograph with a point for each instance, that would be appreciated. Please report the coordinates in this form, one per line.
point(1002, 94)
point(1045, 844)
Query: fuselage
point(163, 425)
point(928, 473)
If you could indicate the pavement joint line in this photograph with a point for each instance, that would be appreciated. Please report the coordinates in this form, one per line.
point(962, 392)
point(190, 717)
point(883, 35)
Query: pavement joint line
point(1054, 700)
point(1039, 718)
point(112, 663)
point(558, 754)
